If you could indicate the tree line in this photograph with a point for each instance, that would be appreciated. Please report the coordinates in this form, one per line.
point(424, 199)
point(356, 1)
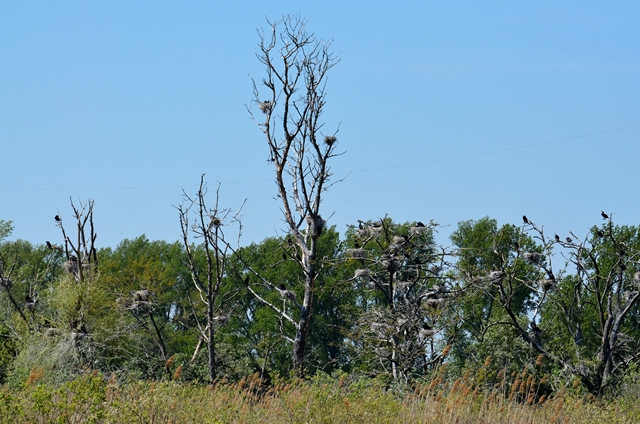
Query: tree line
point(383, 300)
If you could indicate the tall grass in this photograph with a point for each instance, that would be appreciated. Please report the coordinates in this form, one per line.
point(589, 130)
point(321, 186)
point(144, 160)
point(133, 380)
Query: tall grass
point(476, 397)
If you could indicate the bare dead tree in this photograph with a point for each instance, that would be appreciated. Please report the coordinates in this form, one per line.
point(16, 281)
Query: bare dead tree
point(404, 288)
point(292, 98)
point(595, 293)
point(81, 257)
point(209, 226)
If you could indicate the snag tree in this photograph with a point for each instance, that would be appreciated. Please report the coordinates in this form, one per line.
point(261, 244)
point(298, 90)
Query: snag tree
point(291, 99)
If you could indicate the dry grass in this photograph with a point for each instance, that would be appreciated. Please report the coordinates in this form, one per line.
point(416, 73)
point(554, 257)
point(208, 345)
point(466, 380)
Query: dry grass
point(512, 399)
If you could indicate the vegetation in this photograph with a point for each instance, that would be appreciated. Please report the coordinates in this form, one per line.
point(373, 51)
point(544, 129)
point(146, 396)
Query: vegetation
point(382, 325)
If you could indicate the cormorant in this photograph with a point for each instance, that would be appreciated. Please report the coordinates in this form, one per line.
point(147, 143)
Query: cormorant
point(419, 224)
point(57, 218)
point(569, 240)
point(524, 218)
point(557, 237)
point(604, 215)
point(49, 246)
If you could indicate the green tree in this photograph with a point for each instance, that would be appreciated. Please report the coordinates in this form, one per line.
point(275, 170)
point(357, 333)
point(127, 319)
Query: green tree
point(269, 316)
point(496, 297)
point(6, 228)
point(150, 288)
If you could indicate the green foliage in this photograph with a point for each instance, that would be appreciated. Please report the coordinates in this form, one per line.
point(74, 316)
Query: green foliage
point(263, 329)
point(6, 228)
point(484, 248)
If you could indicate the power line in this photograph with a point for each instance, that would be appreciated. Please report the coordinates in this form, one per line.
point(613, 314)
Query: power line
point(489, 152)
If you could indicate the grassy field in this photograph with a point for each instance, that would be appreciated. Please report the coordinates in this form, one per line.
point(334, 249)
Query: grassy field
point(514, 399)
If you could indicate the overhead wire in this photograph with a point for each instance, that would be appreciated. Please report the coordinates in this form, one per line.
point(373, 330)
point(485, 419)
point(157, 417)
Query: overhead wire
point(470, 155)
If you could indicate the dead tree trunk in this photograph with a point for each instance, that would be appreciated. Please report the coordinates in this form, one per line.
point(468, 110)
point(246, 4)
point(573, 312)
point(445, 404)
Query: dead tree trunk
point(292, 98)
point(209, 226)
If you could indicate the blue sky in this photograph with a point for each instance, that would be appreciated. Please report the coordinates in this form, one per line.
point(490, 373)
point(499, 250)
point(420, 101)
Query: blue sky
point(127, 103)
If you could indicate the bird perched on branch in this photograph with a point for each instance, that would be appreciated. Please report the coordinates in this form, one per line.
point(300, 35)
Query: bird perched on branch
point(57, 218)
point(525, 219)
point(557, 237)
point(604, 215)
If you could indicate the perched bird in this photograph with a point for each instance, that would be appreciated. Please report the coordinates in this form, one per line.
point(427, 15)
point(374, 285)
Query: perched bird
point(569, 240)
point(524, 218)
point(30, 301)
point(557, 237)
point(419, 224)
point(360, 224)
point(282, 286)
point(49, 245)
point(600, 233)
point(57, 218)
point(604, 215)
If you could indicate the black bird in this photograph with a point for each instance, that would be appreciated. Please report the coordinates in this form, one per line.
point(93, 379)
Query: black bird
point(569, 240)
point(524, 218)
point(557, 237)
point(49, 246)
point(282, 286)
point(604, 215)
point(534, 327)
point(419, 224)
point(600, 233)
point(356, 245)
point(360, 224)
point(284, 256)
point(57, 218)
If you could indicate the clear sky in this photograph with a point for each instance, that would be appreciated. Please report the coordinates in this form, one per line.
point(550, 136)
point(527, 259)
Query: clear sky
point(447, 111)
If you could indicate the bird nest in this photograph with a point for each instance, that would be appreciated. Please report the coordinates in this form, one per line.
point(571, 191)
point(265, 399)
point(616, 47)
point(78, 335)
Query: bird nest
point(435, 303)
point(221, 319)
point(329, 140)
point(265, 107)
point(399, 240)
point(548, 284)
point(358, 253)
point(362, 273)
point(496, 277)
point(533, 257)
point(315, 225)
point(418, 230)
